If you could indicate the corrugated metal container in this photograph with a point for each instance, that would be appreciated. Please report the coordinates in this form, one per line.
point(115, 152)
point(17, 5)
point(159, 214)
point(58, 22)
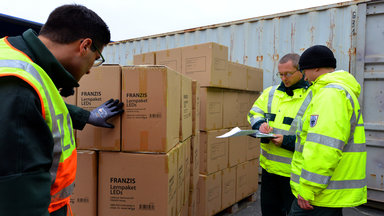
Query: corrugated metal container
point(353, 30)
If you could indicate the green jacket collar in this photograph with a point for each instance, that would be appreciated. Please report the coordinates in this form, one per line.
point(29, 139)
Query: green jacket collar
point(45, 59)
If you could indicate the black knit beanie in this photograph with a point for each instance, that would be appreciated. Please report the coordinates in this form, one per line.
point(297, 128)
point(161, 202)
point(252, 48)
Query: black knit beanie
point(317, 56)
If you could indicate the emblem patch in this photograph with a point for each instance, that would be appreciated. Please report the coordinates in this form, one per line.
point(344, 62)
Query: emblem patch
point(313, 120)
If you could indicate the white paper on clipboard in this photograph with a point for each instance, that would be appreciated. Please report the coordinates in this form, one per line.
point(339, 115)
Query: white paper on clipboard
point(238, 132)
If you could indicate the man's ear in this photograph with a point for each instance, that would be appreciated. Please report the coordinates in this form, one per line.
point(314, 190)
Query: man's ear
point(85, 45)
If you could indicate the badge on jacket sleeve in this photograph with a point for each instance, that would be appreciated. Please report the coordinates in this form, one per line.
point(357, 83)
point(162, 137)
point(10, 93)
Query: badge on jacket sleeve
point(313, 120)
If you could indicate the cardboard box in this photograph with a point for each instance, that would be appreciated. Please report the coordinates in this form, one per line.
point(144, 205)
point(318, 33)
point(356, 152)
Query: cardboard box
point(195, 161)
point(253, 175)
point(185, 108)
point(195, 107)
point(151, 96)
point(237, 74)
point(84, 196)
point(187, 171)
point(207, 63)
point(237, 150)
point(231, 116)
point(209, 200)
point(96, 88)
point(170, 58)
point(180, 190)
point(211, 109)
point(192, 207)
point(242, 188)
point(228, 187)
point(137, 184)
point(213, 151)
point(244, 98)
point(254, 79)
point(144, 59)
point(253, 148)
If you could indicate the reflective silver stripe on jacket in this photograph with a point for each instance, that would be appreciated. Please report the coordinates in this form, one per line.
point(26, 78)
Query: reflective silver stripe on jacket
point(344, 184)
point(300, 113)
point(281, 131)
point(57, 136)
point(276, 158)
point(270, 98)
point(254, 119)
point(325, 140)
point(351, 145)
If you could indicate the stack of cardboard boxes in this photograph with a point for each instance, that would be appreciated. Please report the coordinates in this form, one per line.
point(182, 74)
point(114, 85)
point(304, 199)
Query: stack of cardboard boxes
point(163, 157)
point(142, 165)
point(228, 169)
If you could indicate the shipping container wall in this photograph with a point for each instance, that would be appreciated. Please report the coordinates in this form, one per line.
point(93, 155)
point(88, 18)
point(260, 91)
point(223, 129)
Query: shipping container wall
point(370, 73)
point(259, 42)
point(353, 30)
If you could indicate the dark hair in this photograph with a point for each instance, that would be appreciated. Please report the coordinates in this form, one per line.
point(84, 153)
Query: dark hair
point(291, 57)
point(72, 22)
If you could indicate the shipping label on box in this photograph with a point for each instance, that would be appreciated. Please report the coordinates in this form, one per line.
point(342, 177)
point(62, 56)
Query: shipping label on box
point(186, 108)
point(211, 109)
point(84, 196)
point(151, 119)
point(213, 151)
point(209, 200)
point(103, 83)
point(228, 187)
point(144, 59)
point(170, 58)
point(137, 184)
point(207, 63)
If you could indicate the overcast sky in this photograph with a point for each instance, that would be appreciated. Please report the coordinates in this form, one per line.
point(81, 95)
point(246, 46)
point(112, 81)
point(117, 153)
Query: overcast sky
point(136, 18)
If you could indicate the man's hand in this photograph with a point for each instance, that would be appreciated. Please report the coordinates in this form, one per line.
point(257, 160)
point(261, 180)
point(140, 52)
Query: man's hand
point(107, 110)
point(265, 128)
point(278, 140)
point(304, 204)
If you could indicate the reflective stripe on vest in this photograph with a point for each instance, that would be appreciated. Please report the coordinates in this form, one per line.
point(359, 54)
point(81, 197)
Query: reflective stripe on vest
point(270, 98)
point(344, 184)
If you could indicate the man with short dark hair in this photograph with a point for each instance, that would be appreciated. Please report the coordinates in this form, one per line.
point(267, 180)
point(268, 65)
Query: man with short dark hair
point(328, 166)
point(278, 109)
point(37, 144)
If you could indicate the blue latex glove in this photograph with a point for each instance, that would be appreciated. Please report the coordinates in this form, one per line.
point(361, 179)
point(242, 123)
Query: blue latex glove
point(107, 110)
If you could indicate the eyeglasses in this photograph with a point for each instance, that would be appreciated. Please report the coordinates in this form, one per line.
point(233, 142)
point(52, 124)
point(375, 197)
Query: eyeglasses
point(100, 60)
point(288, 74)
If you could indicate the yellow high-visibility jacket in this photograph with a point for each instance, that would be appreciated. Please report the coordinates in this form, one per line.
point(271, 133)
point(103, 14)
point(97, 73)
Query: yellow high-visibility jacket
point(329, 163)
point(283, 112)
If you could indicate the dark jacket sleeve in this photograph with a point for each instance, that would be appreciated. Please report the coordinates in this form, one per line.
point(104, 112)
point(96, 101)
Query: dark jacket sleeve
point(26, 146)
point(78, 115)
point(289, 142)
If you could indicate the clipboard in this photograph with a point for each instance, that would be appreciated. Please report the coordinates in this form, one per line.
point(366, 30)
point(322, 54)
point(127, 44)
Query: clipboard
point(253, 133)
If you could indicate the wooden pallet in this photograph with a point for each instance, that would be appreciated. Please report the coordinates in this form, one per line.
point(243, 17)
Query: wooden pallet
point(239, 205)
